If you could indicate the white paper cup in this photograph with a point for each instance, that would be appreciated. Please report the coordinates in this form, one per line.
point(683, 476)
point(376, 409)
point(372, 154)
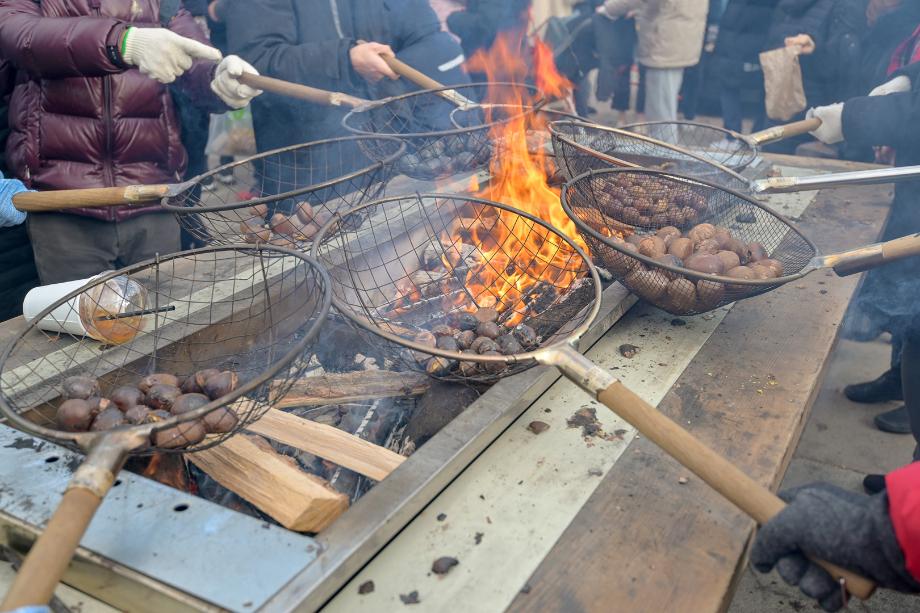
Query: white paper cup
point(65, 318)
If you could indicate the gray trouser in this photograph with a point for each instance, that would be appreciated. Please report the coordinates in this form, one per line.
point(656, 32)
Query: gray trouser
point(662, 87)
point(69, 247)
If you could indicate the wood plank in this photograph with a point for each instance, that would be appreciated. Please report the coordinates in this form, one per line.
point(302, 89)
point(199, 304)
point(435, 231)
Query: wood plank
point(645, 542)
point(353, 387)
point(295, 499)
point(329, 443)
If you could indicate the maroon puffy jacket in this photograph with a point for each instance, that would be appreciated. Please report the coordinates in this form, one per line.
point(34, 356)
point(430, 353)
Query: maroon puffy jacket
point(78, 120)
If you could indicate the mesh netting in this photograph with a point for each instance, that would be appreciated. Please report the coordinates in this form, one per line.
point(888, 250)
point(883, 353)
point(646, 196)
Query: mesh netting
point(283, 197)
point(581, 147)
point(190, 348)
point(732, 249)
point(710, 142)
point(424, 267)
point(443, 139)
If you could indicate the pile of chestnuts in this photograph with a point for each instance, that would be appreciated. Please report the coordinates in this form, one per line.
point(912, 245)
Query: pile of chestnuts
point(155, 398)
point(704, 248)
point(630, 200)
point(441, 156)
point(283, 230)
point(475, 333)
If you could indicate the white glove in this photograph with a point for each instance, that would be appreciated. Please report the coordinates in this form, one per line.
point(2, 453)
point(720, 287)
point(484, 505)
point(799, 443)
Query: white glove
point(831, 116)
point(163, 54)
point(226, 82)
point(10, 215)
point(895, 86)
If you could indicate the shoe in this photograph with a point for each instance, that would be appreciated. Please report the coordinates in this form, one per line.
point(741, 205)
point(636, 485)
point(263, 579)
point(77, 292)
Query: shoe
point(884, 389)
point(895, 421)
point(874, 484)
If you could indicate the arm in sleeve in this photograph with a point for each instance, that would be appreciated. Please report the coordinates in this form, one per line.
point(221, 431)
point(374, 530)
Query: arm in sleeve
point(264, 33)
point(875, 121)
point(57, 47)
point(412, 21)
point(196, 81)
point(903, 487)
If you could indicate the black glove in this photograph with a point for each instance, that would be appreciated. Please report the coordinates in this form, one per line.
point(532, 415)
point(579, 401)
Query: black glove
point(849, 529)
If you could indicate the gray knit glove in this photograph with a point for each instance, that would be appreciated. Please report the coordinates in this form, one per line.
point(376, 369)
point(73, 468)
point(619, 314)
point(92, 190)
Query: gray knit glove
point(849, 529)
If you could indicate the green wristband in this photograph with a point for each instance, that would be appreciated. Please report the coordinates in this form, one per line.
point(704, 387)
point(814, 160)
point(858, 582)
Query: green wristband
point(124, 41)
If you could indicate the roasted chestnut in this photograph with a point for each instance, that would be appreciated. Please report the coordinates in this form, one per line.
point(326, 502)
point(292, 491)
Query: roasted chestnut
point(635, 239)
point(157, 379)
point(701, 232)
point(668, 234)
point(652, 247)
point(722, 236)
point(200, 377)
point(705, 263)
point(681, 248)
point(509, 345)
point(681, 295)
point(489, 329)
point(79, 387)
point(97, 405)
point(126, 396)
point(220, 421)
point(775, 265)
point(137, 414)
point(108, 419)
point(162, 396)
point(729, 259)
point(443, 330)
point(738, 247)
point(305, 212)
point(757, 252)
point(741, 272)
point(761, 272)
point(526, 335)
point(181, 435)
point(74, 415)
point(438, 366)
point(464, 321)
point(649, 284)
point(448, 343)
point(483, 344)
point(492, 367)
point(253, 231)
point(219, 385)
point(708, 294)
point(465, 339)
point(188, 402)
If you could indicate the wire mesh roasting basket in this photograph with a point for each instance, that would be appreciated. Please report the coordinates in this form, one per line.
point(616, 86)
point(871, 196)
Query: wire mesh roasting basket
point(284, 196)
point(252, 313)
point(714, 143)
point(437, 277)
point(747, 240)
point(443, 138)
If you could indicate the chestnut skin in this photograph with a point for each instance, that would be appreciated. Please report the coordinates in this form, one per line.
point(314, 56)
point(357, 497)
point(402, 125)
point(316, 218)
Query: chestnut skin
point(757, 252)
point(220, 421)
point(489, 329)
point(157, 379)
point(709, 294)
point(681, 248)
point(126, 396)
point(729, 259)
point(670, 260)
point(202, 375)
point(681, 295)
point(738, 247)
point(705, 263)
point(181, 435)
point(188, 402)
point(669, 234)
point(652, 247)
point(254, 232)
point(74, 415)
point(79, 387)
point(709, 246)
point(649, 284)
point(722, 236)
point(775, 265)
point(221, 384)
point(108, 419)
point(741, 272)
point(162, 396)
point(701, 232)
point(761, 272)
point(137, 414)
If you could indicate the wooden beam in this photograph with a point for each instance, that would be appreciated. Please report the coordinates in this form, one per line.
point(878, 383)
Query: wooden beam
point(295, 499)
point(353, 387)
point(329, 443)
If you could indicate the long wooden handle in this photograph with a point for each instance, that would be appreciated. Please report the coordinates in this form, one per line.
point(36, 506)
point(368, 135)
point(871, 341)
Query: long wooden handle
point(301, 92)
point(425, 82)
point(37, 202)
point(776, 133)
point(50, 555)
point(745, 493)
point(872, 256)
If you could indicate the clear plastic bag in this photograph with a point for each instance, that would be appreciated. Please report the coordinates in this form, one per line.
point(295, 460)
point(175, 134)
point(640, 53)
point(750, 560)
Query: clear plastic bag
point(231, 134)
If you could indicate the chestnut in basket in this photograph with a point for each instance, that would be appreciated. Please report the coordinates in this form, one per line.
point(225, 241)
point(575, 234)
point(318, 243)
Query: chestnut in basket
point(157, 379)
point(220, 385)
point(74, 415)
point(109, 419)
point(162, 397)
point(126, 396)
point(79, 387)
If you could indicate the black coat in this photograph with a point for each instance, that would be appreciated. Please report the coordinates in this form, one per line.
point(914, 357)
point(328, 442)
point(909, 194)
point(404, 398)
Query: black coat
point(743, 29)
point(482, 20)
point(309, 42)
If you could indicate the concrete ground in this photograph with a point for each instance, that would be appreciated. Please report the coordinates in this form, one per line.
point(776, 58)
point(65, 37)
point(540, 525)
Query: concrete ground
point(839, 445)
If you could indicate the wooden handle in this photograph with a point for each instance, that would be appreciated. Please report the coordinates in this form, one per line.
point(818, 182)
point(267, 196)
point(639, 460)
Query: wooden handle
point(426, 82)
point(745, 493)
point(301, 92)
point(873, 256)
point(50, 555)
point(776, 133)
point(37, 202)
point(337, 446)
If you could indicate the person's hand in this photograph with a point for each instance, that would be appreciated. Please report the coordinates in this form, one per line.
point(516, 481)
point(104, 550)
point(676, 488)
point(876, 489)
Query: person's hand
point(226, 83)
point(895, 86)
point(162, 54)
point(851, 530)
point(366, 60)
point(804, 43)
point(9, 214)
point(831, 116)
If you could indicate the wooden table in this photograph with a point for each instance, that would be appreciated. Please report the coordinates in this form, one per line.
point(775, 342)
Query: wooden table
point(557, 522)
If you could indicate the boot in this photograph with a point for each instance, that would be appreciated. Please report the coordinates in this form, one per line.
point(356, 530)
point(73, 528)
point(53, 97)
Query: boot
point(884, 389)
point(895, 421)
point(873, 484)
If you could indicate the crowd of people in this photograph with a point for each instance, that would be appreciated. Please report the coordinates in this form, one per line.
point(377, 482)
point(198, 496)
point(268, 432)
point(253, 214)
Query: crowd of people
point(120, 93)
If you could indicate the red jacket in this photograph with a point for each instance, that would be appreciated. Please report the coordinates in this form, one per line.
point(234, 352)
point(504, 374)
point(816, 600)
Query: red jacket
point(78, 120)
point(904, 508)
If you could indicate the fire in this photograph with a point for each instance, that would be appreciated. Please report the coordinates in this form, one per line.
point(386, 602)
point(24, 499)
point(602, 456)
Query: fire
point(519, 171)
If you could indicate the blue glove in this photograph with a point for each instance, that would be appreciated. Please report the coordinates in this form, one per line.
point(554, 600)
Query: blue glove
point(10, 215)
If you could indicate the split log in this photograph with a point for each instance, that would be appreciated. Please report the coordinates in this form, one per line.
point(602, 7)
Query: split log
point(353, 387)
point(295, 499)
point(329, 443)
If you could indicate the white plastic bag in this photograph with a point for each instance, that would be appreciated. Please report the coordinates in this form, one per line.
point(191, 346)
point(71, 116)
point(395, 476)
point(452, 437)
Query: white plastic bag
point(231, 134)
